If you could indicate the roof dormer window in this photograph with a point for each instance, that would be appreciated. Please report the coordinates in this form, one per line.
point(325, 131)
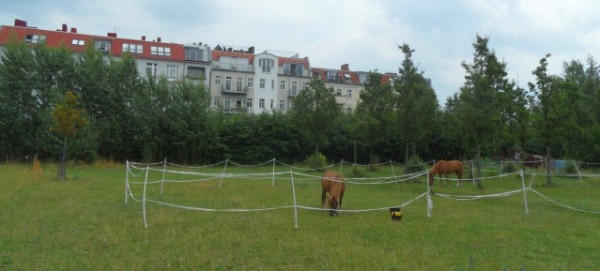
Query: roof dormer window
point(31, 38)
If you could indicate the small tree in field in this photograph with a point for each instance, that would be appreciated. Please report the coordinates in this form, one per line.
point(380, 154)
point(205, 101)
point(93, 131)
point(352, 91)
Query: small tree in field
point(68, 118)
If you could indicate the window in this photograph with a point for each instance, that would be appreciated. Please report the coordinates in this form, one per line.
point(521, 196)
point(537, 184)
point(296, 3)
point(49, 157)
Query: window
point(228, 83)
point(261, 103)
point(227, 104)
point(239, 84)
point(294, 88)
point(77, 42)
point(151, 69)
point(293, 69)
point(249, 103)
point(250, 82)
point(282, 85)
point(35, 38)
point(281, 104)
point(349, 111)
point(133, 48)
point(304, 86)
point(266, 64)
point(196, 72)
point(217, 101)
point(194, 54)
point(271, 103)
point(103, 46)
point(160, 51)
point(349, 94)
point(217, 80)
point(272, 84)
point(338, 92)
point(262, 83)
point(172, 71)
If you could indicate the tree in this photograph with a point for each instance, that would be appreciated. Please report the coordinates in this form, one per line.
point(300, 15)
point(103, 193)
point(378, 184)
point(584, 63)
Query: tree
point(480, 100)
point(314, 112)
point(417, 104)
point(68, 118)
point(373, 113)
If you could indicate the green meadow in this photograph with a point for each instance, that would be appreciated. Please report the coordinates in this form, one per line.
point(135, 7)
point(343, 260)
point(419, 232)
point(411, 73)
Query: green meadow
point(248, 221)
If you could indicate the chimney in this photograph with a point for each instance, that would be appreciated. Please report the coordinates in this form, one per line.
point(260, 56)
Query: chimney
point(20, 23)
point(73, 30)
point(64, 28)
point(144, 38)
point(345, 67)
point(158, 39)
point(251, 50)
point(112, 34)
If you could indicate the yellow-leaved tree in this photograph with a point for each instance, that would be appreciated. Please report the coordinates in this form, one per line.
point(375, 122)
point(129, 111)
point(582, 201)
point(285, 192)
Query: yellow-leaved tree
point(68, 119)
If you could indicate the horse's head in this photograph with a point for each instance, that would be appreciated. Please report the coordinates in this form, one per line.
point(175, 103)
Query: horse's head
point(333, 204)
point(431, 178)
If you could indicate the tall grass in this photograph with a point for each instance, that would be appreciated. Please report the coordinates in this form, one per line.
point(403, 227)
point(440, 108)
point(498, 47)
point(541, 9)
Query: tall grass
point(84, 224)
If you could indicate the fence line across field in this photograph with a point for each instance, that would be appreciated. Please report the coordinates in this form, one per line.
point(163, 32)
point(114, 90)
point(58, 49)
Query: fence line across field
point(136, 170)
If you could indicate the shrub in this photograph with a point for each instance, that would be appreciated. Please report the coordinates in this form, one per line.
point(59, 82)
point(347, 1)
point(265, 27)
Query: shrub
point(374, 164)
point(508, 167)
point(316, 161)
point(414, 164)
point(357, 172)
point(570, 166)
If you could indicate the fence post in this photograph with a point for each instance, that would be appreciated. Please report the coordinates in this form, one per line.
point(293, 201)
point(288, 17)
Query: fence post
point(223, 174)
point(273, 181)
point(429, 202)
point(126, 179)
point(162, 182)
point(144, 198)
point(524, 191)
point(295, 205)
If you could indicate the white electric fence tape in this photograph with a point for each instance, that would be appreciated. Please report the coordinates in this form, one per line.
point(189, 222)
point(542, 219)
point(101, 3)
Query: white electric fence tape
point(135, 170)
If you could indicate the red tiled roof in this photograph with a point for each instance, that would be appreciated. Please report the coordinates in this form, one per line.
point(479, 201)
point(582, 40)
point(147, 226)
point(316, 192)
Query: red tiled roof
point(218, 53)
point(58, 38)
point(303, 61)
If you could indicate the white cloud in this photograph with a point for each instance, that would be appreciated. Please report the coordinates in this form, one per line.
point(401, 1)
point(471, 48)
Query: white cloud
point(362, 33)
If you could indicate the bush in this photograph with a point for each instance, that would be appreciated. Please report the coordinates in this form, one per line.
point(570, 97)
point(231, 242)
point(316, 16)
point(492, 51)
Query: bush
point(316, 161)
point(374, 164)
point(570, 167)
point(357, 172)
point(508, 167)
point(414, 164)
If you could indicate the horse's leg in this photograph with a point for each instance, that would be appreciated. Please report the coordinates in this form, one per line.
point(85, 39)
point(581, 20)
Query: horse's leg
point(323, 194)
point(447, 179)
point(459, 175)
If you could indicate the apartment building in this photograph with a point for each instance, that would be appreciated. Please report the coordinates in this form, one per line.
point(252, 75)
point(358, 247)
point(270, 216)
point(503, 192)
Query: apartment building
point(245, 81)
point(238, 79)
point(153, 57)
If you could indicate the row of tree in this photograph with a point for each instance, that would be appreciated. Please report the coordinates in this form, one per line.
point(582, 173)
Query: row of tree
point(144, 118)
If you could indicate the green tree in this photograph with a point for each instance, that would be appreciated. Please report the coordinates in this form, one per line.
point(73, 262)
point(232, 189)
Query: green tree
point(480, 101)
point(373, 113)
point(315, 112)
point(417, 105)
point(547, 107)
point(16, 100)
point(68, 119)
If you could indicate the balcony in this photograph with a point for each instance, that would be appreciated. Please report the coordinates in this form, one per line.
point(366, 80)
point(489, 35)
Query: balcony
point(234, 90)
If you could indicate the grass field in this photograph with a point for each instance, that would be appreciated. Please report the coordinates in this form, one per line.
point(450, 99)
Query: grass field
point(84, 223)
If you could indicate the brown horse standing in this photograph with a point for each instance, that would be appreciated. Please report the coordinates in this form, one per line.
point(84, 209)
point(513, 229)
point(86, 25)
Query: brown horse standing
point(444, 167)
point(332, 183)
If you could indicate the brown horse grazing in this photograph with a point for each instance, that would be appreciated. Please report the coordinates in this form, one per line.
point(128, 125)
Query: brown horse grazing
point(332, 183)
point(444, 167)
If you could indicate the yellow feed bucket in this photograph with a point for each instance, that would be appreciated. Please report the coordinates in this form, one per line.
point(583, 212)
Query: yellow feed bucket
point(396, 213)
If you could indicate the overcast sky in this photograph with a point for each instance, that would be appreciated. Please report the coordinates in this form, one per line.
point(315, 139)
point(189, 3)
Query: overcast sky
point(362, 33)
